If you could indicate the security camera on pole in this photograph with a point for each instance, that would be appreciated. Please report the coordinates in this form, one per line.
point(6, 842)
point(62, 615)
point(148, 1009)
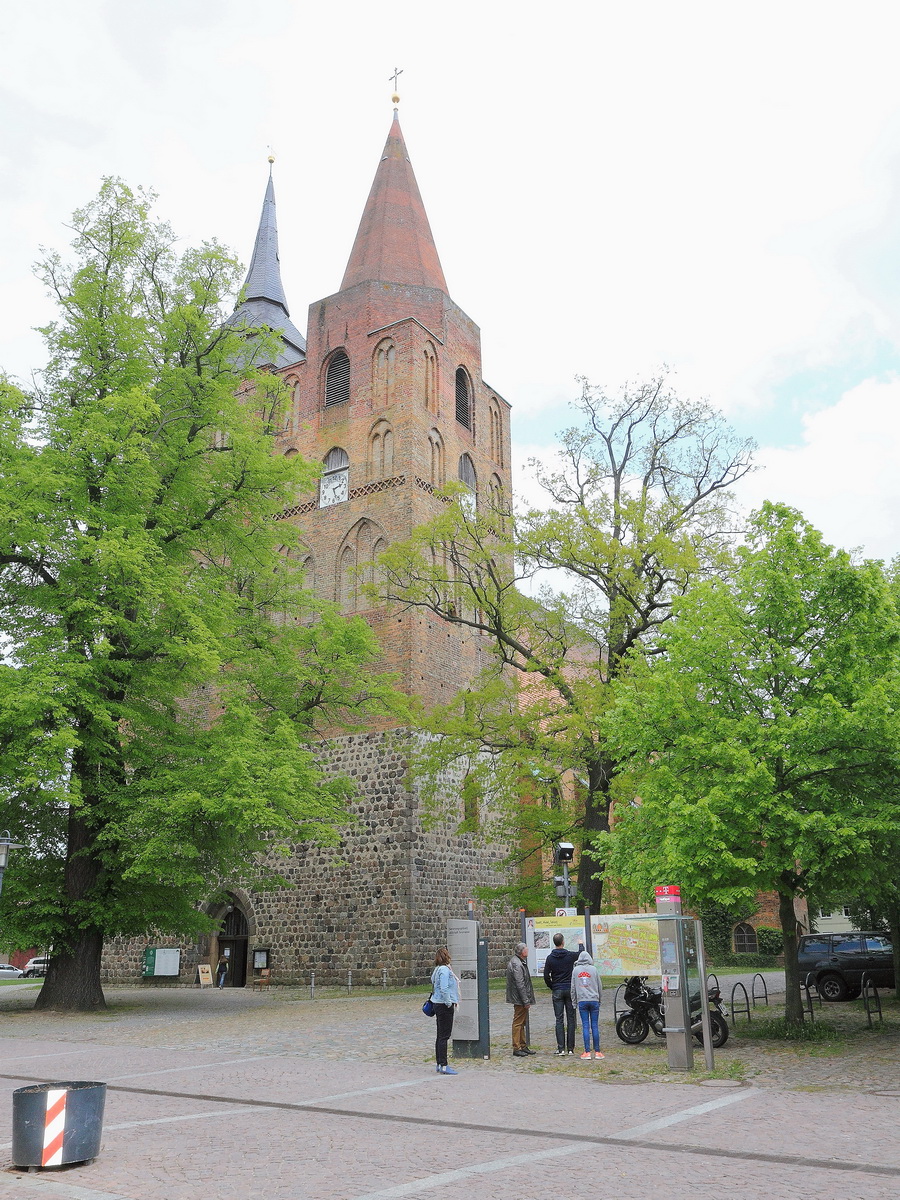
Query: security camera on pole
point(563, 853)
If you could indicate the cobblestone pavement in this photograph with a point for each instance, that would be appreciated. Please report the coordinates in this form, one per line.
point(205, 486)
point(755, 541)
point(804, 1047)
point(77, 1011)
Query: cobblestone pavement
point(229, 1094)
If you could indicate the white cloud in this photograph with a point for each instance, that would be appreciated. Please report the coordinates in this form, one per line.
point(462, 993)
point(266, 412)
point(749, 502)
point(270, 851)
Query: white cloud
point(845, 475)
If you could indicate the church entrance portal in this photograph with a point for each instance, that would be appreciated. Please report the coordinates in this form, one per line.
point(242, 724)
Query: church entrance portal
point(233, 938)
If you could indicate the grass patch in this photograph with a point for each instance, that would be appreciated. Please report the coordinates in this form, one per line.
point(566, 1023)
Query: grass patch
point(776, 1029)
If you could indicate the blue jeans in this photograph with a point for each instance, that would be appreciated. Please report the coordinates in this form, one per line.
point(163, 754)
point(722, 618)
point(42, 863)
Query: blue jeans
point(563, 1007)
point(590, 1012)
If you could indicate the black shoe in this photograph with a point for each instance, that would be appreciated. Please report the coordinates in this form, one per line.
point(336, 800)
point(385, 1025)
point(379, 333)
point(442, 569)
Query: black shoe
point(521, 1053)
point(528, 1050)
point(561, 1052)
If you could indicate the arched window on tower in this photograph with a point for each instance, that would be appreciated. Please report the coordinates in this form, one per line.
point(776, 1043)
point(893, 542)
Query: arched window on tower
point(467, 472)
point(337, 379)
point(496, 432)
point(384, 374)
point(430, 378)
point(436, 445)
point(381, 451)
point(356, 567)
point(347, 580)
point(497, 502)
point(463, 398)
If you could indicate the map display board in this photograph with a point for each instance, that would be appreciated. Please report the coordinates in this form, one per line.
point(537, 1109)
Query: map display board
point(625, 944)
point(539, 933)
point(622, 944)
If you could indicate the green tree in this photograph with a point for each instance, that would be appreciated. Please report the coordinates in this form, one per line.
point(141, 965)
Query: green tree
point(762, 742)
point(160, 694)
point(638, 509)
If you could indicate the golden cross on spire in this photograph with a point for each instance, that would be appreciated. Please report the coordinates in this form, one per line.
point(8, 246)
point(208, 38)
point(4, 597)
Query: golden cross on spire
point(393, 79)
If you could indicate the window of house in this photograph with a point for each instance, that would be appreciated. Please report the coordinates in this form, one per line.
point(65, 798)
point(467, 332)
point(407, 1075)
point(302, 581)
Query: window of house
point(745, 939)
point(463, 398)
point(337, 379)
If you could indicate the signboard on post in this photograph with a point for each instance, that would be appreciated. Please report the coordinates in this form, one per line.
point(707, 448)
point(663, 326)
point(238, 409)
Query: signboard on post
point(622, 944)
point(469, 962)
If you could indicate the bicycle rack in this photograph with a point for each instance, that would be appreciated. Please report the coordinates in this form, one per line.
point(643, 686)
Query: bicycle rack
point(765, 991)
point(712, 975)
point(616, 1009)
point(746, 1008)
point(808, 1006)
point(809, 982)
point(871, 999)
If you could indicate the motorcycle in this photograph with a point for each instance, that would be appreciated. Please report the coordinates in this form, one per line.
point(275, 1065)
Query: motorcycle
point(646, 1011)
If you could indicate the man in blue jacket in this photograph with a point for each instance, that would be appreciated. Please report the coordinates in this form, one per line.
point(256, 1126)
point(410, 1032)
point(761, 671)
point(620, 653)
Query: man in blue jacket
point(558, 977)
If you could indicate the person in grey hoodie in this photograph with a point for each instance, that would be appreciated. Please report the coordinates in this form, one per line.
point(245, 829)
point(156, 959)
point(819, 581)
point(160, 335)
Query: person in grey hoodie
point(586, 993)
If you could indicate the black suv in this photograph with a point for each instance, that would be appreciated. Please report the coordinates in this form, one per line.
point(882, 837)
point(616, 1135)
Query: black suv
point(836, 962)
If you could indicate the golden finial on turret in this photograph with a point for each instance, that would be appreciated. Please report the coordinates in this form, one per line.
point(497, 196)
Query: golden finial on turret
point(271, 158)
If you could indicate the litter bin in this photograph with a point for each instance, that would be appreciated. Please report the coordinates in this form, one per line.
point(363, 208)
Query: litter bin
point(55, 1124)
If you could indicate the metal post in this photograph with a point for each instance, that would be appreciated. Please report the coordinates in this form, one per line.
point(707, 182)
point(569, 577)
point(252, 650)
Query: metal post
point(384, 978)
point(349, 983)
point(705, 1021)
point(588, 940)
point(312, 985)
point(525, 939)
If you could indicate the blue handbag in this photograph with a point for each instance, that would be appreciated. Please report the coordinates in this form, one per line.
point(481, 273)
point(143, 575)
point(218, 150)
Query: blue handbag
point(428, 1007)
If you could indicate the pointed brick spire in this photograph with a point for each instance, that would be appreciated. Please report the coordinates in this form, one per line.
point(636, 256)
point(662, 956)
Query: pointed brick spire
point(394, 242)
point(264, 300)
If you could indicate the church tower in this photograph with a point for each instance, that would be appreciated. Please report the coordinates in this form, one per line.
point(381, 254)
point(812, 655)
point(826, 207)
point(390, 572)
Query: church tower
point(390, 399)
point(387, 394)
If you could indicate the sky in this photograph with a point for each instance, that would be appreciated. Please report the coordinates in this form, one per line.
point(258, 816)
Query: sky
point(613, 189)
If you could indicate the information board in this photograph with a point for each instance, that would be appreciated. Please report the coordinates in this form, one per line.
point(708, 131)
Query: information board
point(462, 942)
point(625, 945)
point(622, 944)
point(539, 933)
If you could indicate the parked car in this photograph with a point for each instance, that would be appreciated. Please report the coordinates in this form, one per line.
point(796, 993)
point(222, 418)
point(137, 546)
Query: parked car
point(36, 968)
point(8, 971)
point(836, 962)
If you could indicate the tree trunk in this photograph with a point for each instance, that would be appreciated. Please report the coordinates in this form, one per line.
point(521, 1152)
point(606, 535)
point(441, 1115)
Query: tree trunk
point(72, 983)
point(596, 820)
point(893, 916)
point(793, 1005)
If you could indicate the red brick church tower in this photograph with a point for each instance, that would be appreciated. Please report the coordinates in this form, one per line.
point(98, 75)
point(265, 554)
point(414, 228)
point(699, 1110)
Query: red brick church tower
point(389, 397)
point(387, 394)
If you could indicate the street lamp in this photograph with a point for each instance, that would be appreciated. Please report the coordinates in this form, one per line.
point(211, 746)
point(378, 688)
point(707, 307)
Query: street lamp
point(6, 844)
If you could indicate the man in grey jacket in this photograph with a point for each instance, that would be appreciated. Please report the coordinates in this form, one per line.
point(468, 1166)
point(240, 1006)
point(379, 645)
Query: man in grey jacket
point(520, 994)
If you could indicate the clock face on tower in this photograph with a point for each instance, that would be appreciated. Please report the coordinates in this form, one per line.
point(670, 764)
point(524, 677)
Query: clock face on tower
point(334, 488)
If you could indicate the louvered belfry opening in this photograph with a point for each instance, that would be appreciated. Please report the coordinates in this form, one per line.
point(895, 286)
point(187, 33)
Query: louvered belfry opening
point(337, 379)
point(463, 399)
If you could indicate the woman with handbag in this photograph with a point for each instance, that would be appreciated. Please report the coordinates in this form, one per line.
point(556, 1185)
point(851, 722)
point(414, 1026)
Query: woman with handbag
point(445, 997)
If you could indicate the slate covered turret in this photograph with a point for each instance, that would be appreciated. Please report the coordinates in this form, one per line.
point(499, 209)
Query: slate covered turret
point(264, 302)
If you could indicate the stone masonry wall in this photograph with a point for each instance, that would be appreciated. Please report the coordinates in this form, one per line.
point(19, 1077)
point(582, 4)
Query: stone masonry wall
point(377, 903)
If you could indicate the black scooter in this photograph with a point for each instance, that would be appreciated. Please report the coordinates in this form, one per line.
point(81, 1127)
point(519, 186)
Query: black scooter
point(645, 1012)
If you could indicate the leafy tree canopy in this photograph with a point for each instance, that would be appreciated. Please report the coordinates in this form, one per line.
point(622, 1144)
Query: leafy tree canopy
point(637, 510)
point(760, 746)
point(165, 674)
